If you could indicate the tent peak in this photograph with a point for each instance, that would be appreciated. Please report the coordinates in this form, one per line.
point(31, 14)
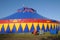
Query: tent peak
point(26, 9)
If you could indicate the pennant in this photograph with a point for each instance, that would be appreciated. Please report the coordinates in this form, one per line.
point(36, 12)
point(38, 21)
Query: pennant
point(11, 25)
point(23, 26)
point(17, 25)
point(35, 25)
point(5, 26)
point(49, 25)
point(40, 25)
point(1, 27)
point(45, 25)
point(29, 26)
point(53, 25)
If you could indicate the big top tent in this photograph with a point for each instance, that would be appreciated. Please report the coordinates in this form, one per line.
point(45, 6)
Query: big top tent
point(27, 20)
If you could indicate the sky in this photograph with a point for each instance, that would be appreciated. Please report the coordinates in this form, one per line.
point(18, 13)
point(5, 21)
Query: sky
point(47, 8)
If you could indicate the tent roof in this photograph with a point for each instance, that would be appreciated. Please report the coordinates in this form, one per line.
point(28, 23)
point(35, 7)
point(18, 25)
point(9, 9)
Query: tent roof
point(26, 13)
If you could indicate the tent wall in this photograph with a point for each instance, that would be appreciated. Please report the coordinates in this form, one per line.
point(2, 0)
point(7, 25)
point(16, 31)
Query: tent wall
point(27, 27)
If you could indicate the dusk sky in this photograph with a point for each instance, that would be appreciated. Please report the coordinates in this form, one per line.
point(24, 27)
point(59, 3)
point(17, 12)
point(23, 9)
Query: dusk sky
point(46, 8)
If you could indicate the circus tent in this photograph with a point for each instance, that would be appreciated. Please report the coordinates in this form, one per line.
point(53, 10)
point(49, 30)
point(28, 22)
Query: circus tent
point(27, 20)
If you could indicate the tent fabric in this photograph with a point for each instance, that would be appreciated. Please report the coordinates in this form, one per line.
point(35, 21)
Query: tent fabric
point(27, 13)
point(23, 27)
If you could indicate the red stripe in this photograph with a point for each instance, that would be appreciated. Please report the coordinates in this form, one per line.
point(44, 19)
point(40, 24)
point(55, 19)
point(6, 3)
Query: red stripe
point(26, 21)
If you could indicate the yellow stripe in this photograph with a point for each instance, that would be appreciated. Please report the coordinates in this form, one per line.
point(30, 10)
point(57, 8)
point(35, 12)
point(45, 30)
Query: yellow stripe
point(40, 25)
point(23, 25)
point(45, 25)
point(5, 26)
point(35, 25)
point(1, 26)
point(49, 25)
point(29, 26)
point(17, 25)
point(52, 25)
point(11, 25)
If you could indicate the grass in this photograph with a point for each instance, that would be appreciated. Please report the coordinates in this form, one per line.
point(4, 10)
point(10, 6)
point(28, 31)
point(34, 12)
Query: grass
point(27, 36)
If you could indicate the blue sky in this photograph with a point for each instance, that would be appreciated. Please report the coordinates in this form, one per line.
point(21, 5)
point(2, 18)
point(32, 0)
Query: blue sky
point(47, 8)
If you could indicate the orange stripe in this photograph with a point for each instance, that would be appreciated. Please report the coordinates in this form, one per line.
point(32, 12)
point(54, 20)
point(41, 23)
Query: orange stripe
point(26, 21)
